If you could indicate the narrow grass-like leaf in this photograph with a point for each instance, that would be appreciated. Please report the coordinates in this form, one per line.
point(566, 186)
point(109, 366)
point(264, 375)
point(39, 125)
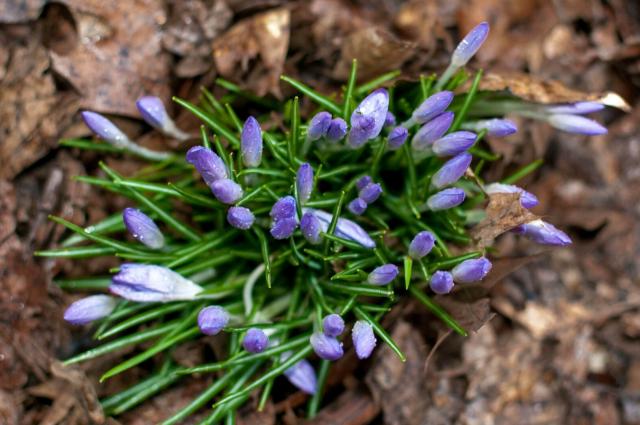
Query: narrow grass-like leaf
point(264, 249)
point(523, 172)
point(215, 124)
point(143, 317)
point(314, 95)
point(85, 284)
point(376, 82)
point(462, 113)
point(348, 94)
point(76, 252)
point(437, 310)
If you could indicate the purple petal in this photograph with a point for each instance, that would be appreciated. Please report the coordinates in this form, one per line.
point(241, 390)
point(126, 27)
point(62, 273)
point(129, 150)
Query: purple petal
point(576, 124)
point(304, 182)
point(326, 347)
point(104, 129)
point(345, 228)
point(357, 207)
point(212, 319)
point(578, 108)
point(495, 127)
point(432, 131)
point(445, 199)
point(284, 207)
point(226, 191)
point(451, 171)
point(332, 325)
point(88, 309)
point(470, 271)
point(421, 245)
point(364, 341)
point(251, 143)
point(527, 199)
point(433, 106)
point(255, 341)
point(389, 119)
point(318, 126)
point(441, 282)
point(376, 106)
point(283, 228)
point(210, 166)
point(470, 45)
point(363, 182)
point(370, 193)
point(149, 283)
point(302, 376)
point(361, 127)
point(383, 275)
point(311, 228)
point(240, 217)
point(152, 110)
point(142, 228)
point(544, 233)
point(337, 130)
point(397, 137)
point(454, 143)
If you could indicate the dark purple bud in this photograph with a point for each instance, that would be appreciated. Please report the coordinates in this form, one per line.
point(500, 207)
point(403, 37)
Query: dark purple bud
point(150, 283)
point(527, 199)
point(361, 127)
point(212, 319)
point(283, 228)
point(255, 341)
point(346, 229)
point(326, 347)
point(432, 131)
point(318, 126)
point(88, 309)
point(153, 112)
point(104, 129)
point(240, 217)
point(576, 124)
point(441, 282)
point(302, 376)
point(390, 119)
point(370, 193)
point(397, 137)
point(208, 163)
point(383, 275)
point(364, 341)
point(251, 143)
point(311, 228)
point(433, 106)
point(470, 271)
point(332, 325)
point(337, 130)
point(454, 143)
point(284, 207)
point(226, 191)
point(578, 108)
point(470, 45)
point(304, 182)
point(363, 182)
point(375, 106)
point(446, 199)
point(451, 171)
point(142, 228)
point(421, 245)
point(543, 233)
point(357, 207)
point(495, 127)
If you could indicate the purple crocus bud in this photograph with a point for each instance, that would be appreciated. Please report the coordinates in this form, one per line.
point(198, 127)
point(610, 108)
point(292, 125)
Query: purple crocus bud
point(470, 45)
point(311, 228)
point(142, 228)
point(332, 325)
point(363, 182)
point(454, 143)
point(578, 108)
point(389, 119)
point(364, 341)
point(421, 245)
point(446, 199)
point(318, 126)
point(375, 106)
point(441, 282)
point(495, 127)
point(240, 217)
point(432, 131)
point(337, 130)
point(527, 199)
point(357, 207)
point(251, 143)
point(370, 193)
point(326, 347)
point(431, 107)
point(151, 283)
point(284, 228)
point(88, 309)
point(302, 376)
point(383, 275)
point(105, 129)
point(397, 137)
point(212, 319)
point(345, 229)
point(543, 233)
point(226, 191)
point(153, 112)
point(304, 182)
point(451, 171)
point(361, 127)
point(284, 207)
point(255, 341)
point(210, 166)
point(470, 271)
point(576, 124)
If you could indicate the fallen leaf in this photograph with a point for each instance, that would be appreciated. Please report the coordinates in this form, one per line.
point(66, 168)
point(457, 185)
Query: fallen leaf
point(416, 20)
point(504, 212)
point(353, 407)
point(17, 11)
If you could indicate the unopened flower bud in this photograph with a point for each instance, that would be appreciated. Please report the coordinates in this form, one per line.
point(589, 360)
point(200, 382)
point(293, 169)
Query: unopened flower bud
point(527, 199)
point(470, 271)
point(326, 347)
point(255, 341)
point(543, 233)
point(451, 171)
point(105, 129)
point(370, 193)
point(357, 207)
point(397, 137)
point(212, 319)
point(364, 341)
point(208, 163)
point(454, 143)
point(337, 130)
point(88, 309)
point(226, 191)
point(143, 228)
point(441, 282)
point(251, 143)
point(445, 199)
point(431, 107)
point(311, 228)
point(318, 126)
point(421, 245)
point(432, 131)
point(470, 45)
point(151, 283)
point(304, 182)
point(302, 376)
point(383, 275)
point(576, 124)
point(240, 217)
point(332, 325)
point(345, 228)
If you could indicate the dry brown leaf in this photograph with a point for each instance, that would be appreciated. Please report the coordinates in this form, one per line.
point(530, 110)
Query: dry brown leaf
point(416, 20)
point(16, 11)
point(504, 212)
point(353, 407)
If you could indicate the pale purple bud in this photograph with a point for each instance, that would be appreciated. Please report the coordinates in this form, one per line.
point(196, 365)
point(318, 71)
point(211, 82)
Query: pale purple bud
point(326, 347)
point(142, 228)
point(88, 309)
point(370, 193)
point(318, 126)
point(302, 376)
point(578, 108)
point(151, 283)
point(454, 143)
point(226, 191)
point(255, 341)
point(446, 199)
point(304, 182)
point(576, 124)
point(311, 228)
point(470, 45)
point(212, 319)
point(527, 199)
point(543, 233)
point(337, 130)
point(363, 182)
point(383, 275)
point(210, 166)
point(284, 207)
point(345, 228)
point(376, 106)
point(421, 245)
point(441, 282)
point(451, 171)
point(390, 119)
point(153, 112)
point(251, 143)
point(495, 127)
point(283, 228)
point(470, 271)
point(332, 325)
point(357, 207)
point(361, 127)
point(104, 128)
point(432, 106)
point(397, 137)
point(364, 341)
point(432, 131)
point(240, 217)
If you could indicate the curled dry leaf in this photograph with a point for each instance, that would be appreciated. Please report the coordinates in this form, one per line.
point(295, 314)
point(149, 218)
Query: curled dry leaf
point(13, 12)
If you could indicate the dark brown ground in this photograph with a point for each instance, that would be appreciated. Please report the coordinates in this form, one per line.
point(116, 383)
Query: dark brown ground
point(563, 347)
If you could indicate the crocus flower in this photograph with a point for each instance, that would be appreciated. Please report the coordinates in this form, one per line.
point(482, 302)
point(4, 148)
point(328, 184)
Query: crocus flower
point(470, 45)
point(527, 199)
point(445, 199)
point(495, 127)
point(251, 143)
point(142, 228)
point(318, 126)
point(255, 341)
point(454, 143)
point(240, 217)
point(151, 283)
point(210, 166)
point(326, 347)
point(397, 137)
point(284, 207)
point(311, 228)
point(302, 376)
point(337, 130)
point(226, 191)
point(441, 282)
point(105, 129)
point(361, 128)
point(421, 245)
point(432, 131)
point(451, 171)
point(358, 206)
point(332, 325)
point(374, 109)
point(212, 319)
point(370, 193)
point(578, 108)
point(389, 119)
point(431, 107)
point(304, 182)
point(576, 124)
point(154, 113)
point(364, 341)
point(470, 271)
point(88, 309)
point(383, 275)
point(284, 228)
point(363, 182)
point(345, 229)
point(543, 233)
